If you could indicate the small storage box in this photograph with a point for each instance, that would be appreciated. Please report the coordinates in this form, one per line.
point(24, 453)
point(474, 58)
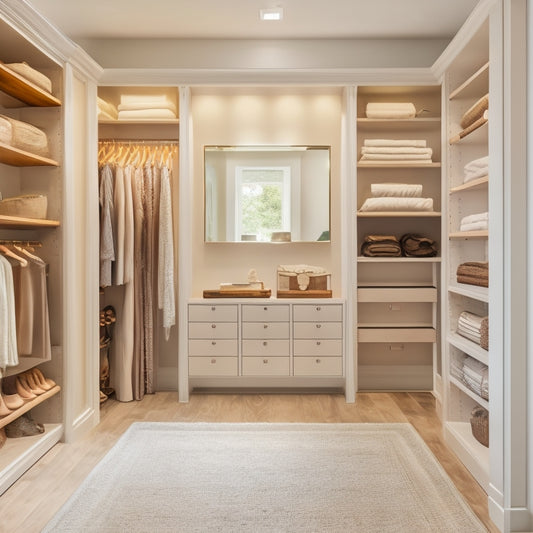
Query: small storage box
point(26, 206)
point(303, 284)
point(479, 420)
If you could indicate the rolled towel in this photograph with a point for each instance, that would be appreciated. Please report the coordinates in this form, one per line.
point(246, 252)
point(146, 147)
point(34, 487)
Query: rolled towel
point(397, 204)
point(475, 112)
point(398, 190)
point(415, 143)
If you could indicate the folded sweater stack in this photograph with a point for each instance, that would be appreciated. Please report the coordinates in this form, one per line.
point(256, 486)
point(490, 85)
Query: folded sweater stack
point(474, 328)
point(477, 222)
point(476, 169)
point(397, 197)
point(390, 110)
point(381, 246)
point(153, 106)
point(393, 151)
point(474, 273)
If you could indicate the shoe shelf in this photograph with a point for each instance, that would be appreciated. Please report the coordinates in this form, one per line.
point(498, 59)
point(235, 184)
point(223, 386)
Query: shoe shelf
point(24, 90)
point(479, 234)
point(20, 158)
point(30, 404)
point(480, 183)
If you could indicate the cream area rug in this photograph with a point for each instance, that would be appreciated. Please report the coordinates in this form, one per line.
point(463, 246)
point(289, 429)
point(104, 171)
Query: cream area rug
point(200, 477)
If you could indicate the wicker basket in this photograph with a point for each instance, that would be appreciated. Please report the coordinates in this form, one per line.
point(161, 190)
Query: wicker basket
point(25, 206)
point(479, 421)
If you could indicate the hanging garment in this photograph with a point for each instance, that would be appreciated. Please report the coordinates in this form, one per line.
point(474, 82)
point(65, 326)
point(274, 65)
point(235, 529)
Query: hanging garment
point(166, 255)
point(107, 245)
point(8, 334)
point(119, 226)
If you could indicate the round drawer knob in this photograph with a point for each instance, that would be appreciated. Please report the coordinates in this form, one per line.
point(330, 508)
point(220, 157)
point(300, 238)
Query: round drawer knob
point(265, 343)
point(213, 343)
point(265, 326)
point(213, 326)
point(318, 308)
point(318, 343)
point(318, 326)
point(265, 361)
point(265, 308)
point(318, 361)
point(213, 308)
point(213, 361)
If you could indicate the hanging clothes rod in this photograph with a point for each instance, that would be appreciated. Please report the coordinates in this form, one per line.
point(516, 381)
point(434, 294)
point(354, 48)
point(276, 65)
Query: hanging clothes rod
point(20, 243)
point(139, 141)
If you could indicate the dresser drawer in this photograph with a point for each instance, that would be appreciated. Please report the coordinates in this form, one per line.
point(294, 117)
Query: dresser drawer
point(265, 330)
point(219, 347)
point(212, 313)
point(262, 348)
point(265, 366)
point(397, 294)
point(265, 313)
point(318, 366)
point(214, 330)
point(323, 348)
point(318, 330)
point(396, 335)
point(317, 313)
point(213, 366)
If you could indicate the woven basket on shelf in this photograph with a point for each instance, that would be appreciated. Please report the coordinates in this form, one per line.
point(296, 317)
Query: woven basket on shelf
point(479, 421)
point(25, 206)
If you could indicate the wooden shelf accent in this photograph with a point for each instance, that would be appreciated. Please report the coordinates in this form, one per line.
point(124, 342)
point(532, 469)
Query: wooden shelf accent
point(396, 164)
point(393, 214)
point(480, 234)
point(28, 405)
point(479, 183)
point(147, 121)
point(20, 88)
point(7, 222)
point(20, 158)
point(471, 129)
point(474, 86)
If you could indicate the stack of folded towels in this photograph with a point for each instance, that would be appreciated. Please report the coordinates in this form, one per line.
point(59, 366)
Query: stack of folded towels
point(414, 245)
point(476, 169)
point(390, 110)
point(476, 376)
point(393, 151)
point(474, 328)
point(153, 106)
point(381, 246)
point(479, 221)
point(106, 110)
point(397, 197)
point(474, 273)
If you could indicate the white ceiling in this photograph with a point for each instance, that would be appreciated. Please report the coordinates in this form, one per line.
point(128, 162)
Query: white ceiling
point(239, 19)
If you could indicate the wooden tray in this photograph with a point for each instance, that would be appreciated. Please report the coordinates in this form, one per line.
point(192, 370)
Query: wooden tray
point(255, 293)
point(316, 293)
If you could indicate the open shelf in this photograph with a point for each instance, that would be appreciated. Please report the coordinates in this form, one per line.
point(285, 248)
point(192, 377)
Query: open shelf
point(478, 399)
point(475, 133)
point(479, 183)
point(470, 291)
point(392, 214)
point(477, 84)
point(8, 222)
point(20, 88)
point(479, 234)
point(468, 347)
point(20, 158)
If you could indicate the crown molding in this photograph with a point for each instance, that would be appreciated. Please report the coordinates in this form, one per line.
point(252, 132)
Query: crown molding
point(47, 38)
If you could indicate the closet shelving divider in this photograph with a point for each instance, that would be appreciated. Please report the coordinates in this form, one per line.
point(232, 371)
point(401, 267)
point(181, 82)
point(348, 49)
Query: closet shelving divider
point(397, 316)
point(466, 83)
point(23, 172)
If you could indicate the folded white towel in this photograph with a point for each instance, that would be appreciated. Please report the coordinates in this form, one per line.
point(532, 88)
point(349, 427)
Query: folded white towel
point(477, 217)
point(139, 106)
point(476, 169)
point(146, 114)
point(472, 319)
point(148, 100)
point(390, 110)
point(396, 150)
point(482, 162)
point(416, 143)
point(475, 226)
point(379, 106)
point(397, 204)
point(399, 190)
point(395, 157)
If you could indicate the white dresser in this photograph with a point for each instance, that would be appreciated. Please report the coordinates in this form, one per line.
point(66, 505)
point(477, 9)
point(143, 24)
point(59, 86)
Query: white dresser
point(261, 344)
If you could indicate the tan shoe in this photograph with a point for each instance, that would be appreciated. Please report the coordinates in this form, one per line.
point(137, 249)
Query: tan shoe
point(23, 389)
point(12, 401)
point(44, 383)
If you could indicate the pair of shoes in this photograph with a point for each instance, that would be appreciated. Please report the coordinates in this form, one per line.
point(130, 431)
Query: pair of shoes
point(32, 383)
point(23, 426)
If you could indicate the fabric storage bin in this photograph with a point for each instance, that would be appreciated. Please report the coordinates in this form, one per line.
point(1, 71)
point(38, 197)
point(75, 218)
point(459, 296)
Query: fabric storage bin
point(479, 421)
point(23, 136)
point(25, 206)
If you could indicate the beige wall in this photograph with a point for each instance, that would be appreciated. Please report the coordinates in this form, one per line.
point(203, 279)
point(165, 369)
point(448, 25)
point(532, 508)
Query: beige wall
point(249, 116)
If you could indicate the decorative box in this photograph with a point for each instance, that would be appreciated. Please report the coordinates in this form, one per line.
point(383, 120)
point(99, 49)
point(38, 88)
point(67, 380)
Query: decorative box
point(303, 281)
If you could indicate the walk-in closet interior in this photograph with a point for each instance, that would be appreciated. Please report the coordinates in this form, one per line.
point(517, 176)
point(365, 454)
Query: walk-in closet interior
point(123, 212)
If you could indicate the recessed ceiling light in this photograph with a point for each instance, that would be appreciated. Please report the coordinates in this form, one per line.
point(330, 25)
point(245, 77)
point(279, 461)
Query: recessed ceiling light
point(274, 13)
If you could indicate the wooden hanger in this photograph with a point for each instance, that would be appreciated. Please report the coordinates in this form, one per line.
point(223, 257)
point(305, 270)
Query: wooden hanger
point(6, 251)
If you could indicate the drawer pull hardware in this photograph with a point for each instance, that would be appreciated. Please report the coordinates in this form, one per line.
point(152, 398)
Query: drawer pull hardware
point(213, 326)
point(318, 308)
point(213, 361)
point(213, 343)
point(265, 326)
point(265, 343)
point(265, 308)
point(318, 361)
point(213, 308)
point(319, 326)
point(265, 361)
point(318, 343)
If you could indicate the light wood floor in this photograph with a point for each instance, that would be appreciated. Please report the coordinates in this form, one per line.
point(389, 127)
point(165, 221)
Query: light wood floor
point(29, 504)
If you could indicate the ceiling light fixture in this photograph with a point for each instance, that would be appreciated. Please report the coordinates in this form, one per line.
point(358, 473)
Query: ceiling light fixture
point(274, 13)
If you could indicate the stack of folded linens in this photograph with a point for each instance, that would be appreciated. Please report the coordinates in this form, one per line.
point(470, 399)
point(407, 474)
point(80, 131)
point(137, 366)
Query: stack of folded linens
point(476, 222)
point(476, 169)
point(106, 110)
point(397, 197)
point(154, 106)
point(390, 110)
point(474, 327)
point(23, 136)
point(393, 151)
point(474, 273)
point(475, 112)
point(476, 376)
point(381, 246)
point(456, 366)
point(32, 75)
point(414, 245)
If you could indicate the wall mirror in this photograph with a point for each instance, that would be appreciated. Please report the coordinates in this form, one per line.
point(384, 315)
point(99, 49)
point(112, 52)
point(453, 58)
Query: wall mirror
point(267, 193)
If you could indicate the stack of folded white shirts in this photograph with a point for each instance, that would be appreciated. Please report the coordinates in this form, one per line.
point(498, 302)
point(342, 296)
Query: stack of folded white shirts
point(456, 366)
point(476, 169)
point(476, 377)
point(397, 197)
point(477, 222)
point(390, 110)
point(106, 110)
point(153, 106)
point(469, 326)
point(395, 151)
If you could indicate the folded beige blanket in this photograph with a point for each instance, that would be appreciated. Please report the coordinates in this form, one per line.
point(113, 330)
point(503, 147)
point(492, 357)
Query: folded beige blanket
point(416, 143)
point(390, 110)
point(23, 136)
point(398, 190)
point(481, 225)
point(396, 157)
point(146, 114)
point(381, 246)
point(147, 100)
point(397, 204)
point(475, 112)
point(32, 75)
point(396, 150)
point(140, 106)
point(396, 161)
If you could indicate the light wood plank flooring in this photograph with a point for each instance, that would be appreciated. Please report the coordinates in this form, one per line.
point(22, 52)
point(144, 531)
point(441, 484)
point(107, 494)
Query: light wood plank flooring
point(35, 497)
